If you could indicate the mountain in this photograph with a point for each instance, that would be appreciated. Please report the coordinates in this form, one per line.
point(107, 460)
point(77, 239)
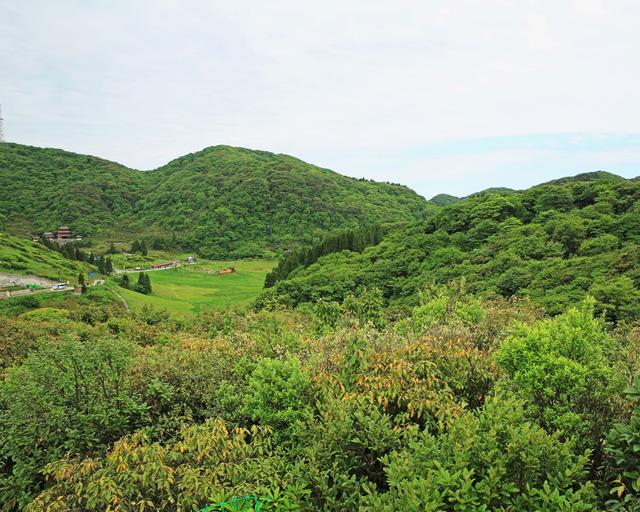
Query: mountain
point(44, 188)
point(222, 201)
point(238, 201)
point(553, 243)
point(587, 176)
point(444, 199)
point(493, 190)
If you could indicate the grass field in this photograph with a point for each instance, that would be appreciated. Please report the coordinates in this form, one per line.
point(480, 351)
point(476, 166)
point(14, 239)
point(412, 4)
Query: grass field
point(188, 289)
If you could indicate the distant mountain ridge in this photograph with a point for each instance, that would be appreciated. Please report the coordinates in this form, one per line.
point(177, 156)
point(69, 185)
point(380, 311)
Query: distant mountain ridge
point(447, 199)
point(224, 201)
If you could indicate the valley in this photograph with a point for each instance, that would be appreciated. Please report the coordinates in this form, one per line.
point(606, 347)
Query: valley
point(187, 290)
point(259, 330)
point(319, 257)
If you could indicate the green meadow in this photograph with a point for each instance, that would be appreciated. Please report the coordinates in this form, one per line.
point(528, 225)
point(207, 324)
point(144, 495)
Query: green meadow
point(186, 290)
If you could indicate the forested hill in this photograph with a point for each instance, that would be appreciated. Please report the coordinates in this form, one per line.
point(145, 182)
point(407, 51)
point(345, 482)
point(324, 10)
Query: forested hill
point(223, 201)
point(239, 201)
point(554, 243)
point(43, 188)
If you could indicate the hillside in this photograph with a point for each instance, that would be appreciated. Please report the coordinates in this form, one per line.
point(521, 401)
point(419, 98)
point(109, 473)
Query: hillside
point(44, 188)
point(222, 201)
point(23, 257)
point(238, 201)
point(444, 199)
point(553, 243)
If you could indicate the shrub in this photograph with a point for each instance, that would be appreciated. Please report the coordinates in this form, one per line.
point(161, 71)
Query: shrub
point(493, 459)
point(67, 397)
point(565, 369)
point(623, 450)
point(278, 393)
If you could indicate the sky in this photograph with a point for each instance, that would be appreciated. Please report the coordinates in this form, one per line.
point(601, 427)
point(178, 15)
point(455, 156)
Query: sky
point(443, 96)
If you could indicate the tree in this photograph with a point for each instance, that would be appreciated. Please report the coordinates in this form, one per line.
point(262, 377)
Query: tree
point(554, 198)
point(108, 266)
point(492, 459)
point(623, 449)
point(102, 268)
point(617, 298)
point(124, 281)
point(143, 248)
point(81, 282)
point(570, 231)
point(144, 284)
point(207, 462)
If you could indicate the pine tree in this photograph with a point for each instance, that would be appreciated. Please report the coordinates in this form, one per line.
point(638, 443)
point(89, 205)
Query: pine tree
point(108, 266)
point(82, 283)
point(135, 246)
point(124, 281)
point(144, 284)
point(143, 248)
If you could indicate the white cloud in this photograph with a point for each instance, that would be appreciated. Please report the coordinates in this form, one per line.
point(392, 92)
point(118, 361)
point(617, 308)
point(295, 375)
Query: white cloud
point(142, 82)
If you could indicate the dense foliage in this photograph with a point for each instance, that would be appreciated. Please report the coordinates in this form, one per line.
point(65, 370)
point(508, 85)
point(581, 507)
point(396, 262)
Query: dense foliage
point(554, 243)
point(345, 240)
point(484, 358)
point(223, 202)
point(465, 404)
point(46, 188)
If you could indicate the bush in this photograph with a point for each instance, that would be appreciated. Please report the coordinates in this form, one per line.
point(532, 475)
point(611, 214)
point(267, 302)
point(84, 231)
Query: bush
point(493, 459)
point(623, 450)
point(67, 397)
point(278, 394)
point(565, 369)
point(207, 463)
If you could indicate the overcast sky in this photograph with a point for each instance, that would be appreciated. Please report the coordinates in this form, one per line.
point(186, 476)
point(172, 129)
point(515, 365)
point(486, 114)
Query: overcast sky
point(443, 96)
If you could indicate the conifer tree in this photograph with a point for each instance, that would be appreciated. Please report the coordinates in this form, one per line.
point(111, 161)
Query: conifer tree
point(101, 266)
point(144, 284)
point(81, 282)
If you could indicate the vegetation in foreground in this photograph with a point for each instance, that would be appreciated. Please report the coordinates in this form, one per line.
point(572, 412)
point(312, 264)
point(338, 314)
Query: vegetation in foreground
point(465, 404)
